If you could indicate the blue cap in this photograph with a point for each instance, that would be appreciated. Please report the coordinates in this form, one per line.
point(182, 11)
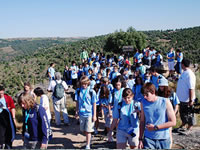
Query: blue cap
point(163, 82)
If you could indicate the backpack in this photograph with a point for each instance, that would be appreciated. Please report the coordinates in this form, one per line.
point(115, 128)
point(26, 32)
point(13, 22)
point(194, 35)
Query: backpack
point(47, 73)
point(59, 90)
point(49, 130)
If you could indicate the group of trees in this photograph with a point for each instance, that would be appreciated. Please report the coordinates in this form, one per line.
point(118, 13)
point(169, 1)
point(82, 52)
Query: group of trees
point(131, 37)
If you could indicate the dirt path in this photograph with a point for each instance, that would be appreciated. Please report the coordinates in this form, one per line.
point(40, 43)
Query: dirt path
point(70, 137)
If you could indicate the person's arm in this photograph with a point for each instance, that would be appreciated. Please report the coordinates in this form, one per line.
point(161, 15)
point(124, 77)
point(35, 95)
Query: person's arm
point(94, 117)
point(191, 96)
point(13, 113)
point(176, 109)
point(171, 118)
point(109, 110)
point(142, 127)
point(77, 109)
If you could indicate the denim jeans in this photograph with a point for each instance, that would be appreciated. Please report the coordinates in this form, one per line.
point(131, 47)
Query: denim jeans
point(156, 144)
point(60, 106)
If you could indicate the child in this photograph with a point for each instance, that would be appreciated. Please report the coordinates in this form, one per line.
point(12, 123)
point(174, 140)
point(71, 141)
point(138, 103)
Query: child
point(126, 117)
point(104, 101)
point(86, 108)
point(137, 89)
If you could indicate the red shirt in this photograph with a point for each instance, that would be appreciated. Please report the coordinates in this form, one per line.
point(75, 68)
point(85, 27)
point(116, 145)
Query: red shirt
point(9, 102)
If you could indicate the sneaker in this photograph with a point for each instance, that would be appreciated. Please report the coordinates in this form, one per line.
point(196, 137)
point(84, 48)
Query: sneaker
point(87, 147)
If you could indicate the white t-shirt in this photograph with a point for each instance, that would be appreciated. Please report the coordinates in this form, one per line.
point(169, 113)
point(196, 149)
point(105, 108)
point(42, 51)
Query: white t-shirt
point(186, 81)
point(44, 101)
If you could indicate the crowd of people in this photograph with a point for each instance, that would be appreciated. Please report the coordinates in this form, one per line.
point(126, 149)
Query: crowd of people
point(134, 98)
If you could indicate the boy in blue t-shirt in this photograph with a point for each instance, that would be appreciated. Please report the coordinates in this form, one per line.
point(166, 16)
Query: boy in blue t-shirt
point(86, 108)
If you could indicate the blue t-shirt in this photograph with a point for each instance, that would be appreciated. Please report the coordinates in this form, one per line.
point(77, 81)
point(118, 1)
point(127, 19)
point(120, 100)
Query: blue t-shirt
point(171, 55)
point(181, 57)
point(155, 113)
point(174, 99)
point(155, 80)
point(86, 98)
point(128, 117)
point(51, 70)
point(137, 92)
point(85, 70)
point(117, 97)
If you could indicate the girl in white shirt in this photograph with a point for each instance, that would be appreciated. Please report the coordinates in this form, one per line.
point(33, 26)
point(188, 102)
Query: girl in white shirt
point(44, 101)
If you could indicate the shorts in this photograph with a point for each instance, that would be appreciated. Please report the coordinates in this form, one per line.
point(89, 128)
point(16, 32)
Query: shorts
point(122, 137)
point(171, 65)
point(86, 124)
point(187, 115)
point(108, 120)
point(156, 143)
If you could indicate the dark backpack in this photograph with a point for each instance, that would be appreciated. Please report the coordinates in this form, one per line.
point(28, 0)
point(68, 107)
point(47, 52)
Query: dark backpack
point(59, 90)
point(47, 73)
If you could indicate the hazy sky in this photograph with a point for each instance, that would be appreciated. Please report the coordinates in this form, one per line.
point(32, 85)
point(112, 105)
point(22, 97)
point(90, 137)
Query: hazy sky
point(72, 18)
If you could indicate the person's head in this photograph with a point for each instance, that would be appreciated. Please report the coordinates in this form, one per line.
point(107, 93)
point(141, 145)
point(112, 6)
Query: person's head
point(136, 73)
point(52, 64)
point(149, 92)
point(147, 75)
point(99, 75)
point(2, 89)
point(104, 92)
point(178, 51)
point(90, 71)
point(85, 82)
point(80, 66)
point(38, 91)
point(92, 77)
point(105, 81)
point(153, 71)
point(171, 49)
point(127, 95)
point(164, 90)
point(26, 101)
point(107, 71)
point(130, 77)
point(162, 83)
point(66, 67)
point(73, 63)
point(138, 80)
point(185, 63)
point(58, 76)
point(119, 82)
point(115, 68)
point(27, 87)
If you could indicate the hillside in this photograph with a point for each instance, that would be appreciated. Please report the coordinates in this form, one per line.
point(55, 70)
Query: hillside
point(13, 47)
point(33, 67)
